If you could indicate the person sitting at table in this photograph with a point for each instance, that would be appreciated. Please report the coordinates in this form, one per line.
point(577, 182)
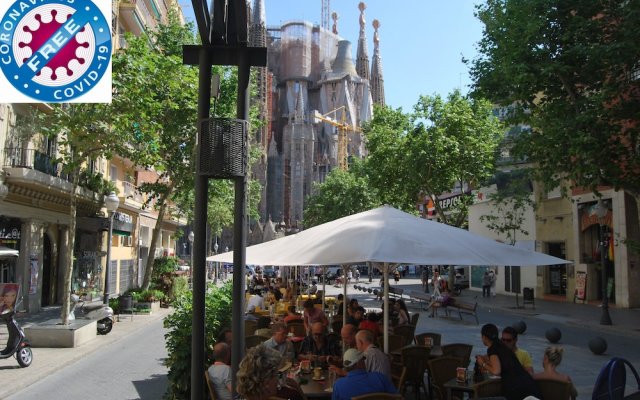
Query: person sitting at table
point(313, 288)
point(257, 377)
point(220, 371)
point(279, 342)
point(312, 314)
point(550, 361)
point(402, 313)
point(501, 361)
point(374, 359)
point(318, 346)
point(510, 339)
point(292, 315)
point(348, 336)
point(357, 317)
point(258, 282)
point(319, 295)
point(339, 308)
point(370, 323)
point(358, 381)
point(255, 301)
point(352, 307)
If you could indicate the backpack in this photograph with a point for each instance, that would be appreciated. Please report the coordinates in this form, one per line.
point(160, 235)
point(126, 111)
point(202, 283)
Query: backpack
point(612, 379)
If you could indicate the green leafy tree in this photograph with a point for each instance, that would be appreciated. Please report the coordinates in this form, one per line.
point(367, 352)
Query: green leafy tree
point(161, 118)
point(83, 133)
point(512, 199)
point(570, 71)
point(163, 125)
point(441, 145)
point(342, 193)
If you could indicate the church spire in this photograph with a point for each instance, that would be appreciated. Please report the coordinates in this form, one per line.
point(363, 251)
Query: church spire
point(362, 60)
point(377, 79)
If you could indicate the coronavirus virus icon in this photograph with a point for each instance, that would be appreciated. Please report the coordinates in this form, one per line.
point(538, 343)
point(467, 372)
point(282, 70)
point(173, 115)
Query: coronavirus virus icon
point(63, 59)
point(55, 51)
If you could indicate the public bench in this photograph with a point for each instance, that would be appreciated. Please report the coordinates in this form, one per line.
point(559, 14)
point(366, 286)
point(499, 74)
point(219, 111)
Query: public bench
point(462, 308)
point(396, 291)
point(423, 298)
point(393, 291)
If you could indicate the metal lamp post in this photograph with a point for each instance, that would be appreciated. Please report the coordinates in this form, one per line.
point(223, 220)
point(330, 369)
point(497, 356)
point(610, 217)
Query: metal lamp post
point(601, 212)
point(111, 202)
point(191, 237)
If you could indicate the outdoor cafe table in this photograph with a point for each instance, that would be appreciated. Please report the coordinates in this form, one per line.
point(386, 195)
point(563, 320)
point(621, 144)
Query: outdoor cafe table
point(313, 389)
point(327, 299)
point(436, 351)
point(452, 385)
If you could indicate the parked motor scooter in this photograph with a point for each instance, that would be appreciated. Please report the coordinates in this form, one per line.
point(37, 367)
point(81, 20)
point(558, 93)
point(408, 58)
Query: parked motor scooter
point(99, 312)
point(17, 344)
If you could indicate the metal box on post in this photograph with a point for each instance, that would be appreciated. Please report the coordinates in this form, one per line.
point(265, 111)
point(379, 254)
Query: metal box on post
point(224, 152)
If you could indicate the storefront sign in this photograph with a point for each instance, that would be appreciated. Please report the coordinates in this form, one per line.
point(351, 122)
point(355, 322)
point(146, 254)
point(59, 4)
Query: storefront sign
point(588, 218)
point(10, 233)
point(451, 200)
point(122, 222)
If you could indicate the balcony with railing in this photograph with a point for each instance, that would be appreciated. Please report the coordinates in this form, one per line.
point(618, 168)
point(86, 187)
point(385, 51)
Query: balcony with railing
point(18, 157)
point(131, 194)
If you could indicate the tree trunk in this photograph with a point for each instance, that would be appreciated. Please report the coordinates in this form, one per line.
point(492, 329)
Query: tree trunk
point(154, 240)
point(68, 263)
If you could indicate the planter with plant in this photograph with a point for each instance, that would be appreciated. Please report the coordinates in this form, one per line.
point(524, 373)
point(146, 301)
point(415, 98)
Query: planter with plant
point(218, 317)
point(150, 299)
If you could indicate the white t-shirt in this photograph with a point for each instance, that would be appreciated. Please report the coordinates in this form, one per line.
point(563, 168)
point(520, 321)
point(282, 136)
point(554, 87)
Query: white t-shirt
point(255, 301)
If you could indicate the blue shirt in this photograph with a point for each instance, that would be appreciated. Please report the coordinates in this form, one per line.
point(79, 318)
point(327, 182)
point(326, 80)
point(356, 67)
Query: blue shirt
point(360, 382)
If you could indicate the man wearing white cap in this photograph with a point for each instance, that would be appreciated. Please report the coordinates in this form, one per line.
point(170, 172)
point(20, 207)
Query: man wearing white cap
point(358, 381)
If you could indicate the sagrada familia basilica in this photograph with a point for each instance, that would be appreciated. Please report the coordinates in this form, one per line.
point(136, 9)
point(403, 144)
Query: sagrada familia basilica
point(313, 100)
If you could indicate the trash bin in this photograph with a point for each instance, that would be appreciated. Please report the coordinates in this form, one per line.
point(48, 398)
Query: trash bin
point(125, 302)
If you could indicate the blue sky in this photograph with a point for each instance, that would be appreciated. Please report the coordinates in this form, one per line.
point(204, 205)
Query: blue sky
point(421, 41)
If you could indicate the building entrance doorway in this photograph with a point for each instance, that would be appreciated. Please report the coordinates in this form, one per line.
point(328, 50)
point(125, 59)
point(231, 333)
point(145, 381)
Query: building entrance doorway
point(557, 277)
point(46, 298)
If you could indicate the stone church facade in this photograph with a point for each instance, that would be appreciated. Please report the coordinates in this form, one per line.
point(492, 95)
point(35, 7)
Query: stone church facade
point(310, 71)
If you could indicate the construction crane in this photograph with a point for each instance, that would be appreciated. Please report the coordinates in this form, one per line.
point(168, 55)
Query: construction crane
point(325, 14)
point(343, 128)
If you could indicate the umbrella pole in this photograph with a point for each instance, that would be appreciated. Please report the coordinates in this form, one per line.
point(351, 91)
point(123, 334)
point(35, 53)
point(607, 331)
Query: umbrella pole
point(344, 299)
point(324, 284)
point(385, 280)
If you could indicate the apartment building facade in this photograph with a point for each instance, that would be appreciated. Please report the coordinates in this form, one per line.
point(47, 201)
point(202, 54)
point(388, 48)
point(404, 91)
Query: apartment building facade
point(35, 198)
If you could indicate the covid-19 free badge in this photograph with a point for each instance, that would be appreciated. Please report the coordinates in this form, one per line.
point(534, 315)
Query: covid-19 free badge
point(55, 51)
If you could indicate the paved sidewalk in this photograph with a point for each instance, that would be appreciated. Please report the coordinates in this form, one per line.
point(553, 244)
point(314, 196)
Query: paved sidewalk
point(625, 321)
point(48, 360)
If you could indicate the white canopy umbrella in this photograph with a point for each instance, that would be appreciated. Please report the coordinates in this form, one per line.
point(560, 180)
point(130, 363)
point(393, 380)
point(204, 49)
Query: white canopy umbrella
point(7, 252)
point(386, 236)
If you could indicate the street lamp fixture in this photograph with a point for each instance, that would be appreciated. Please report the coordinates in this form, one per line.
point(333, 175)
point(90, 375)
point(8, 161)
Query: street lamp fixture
point(111, 202)
point(600, 210)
